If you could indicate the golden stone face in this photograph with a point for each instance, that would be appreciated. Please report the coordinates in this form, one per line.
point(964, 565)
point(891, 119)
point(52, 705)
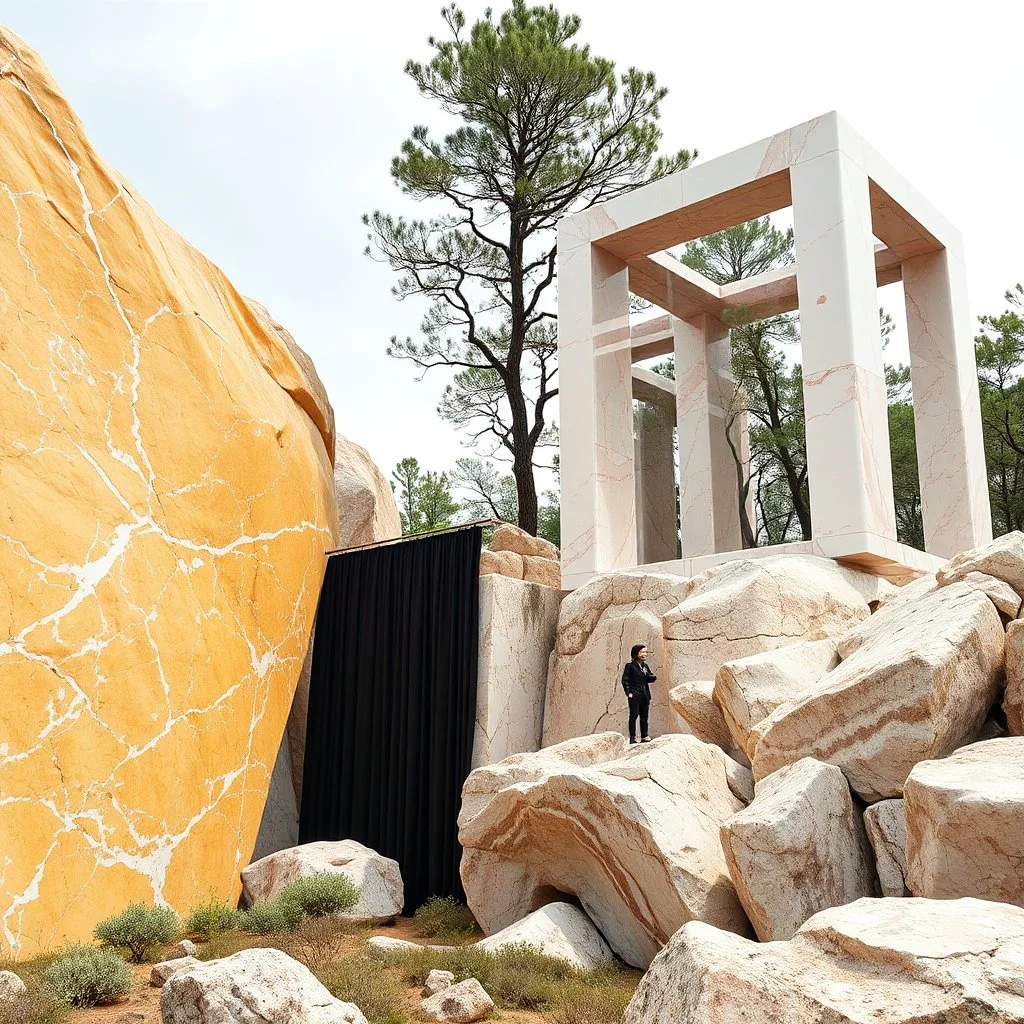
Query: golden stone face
point(165, 502)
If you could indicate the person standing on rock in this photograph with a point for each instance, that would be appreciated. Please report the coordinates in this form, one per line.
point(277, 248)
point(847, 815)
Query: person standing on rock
point(636, 681)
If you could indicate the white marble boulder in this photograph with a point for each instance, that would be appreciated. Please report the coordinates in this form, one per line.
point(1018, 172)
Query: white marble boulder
point(634, 839)
point(437, 981)
point(1013, 698)
point(798, 848)
point(463, 1003)
point(748, 690)
point(876, 961)
point(597, 625)
point(748, 606)
point(694, 703)
point(256, 986)
point(886, 826)
point(1002, 558)
point(379, 878)
point(914, 685)
point(558, 930)
point(12, 987)
point(965, 823)
point(166, 969)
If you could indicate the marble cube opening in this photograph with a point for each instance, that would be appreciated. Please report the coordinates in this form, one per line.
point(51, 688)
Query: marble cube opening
point(857, 225)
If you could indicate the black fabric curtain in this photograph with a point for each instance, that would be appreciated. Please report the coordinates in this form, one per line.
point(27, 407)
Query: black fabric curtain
point(392, 705)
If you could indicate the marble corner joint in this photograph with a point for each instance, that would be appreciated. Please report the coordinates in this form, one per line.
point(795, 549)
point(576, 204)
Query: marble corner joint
point(857, 224)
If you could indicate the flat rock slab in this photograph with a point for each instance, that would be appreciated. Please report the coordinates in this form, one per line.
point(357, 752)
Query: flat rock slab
point(799, 847)
point(558, 930)
point(965, 823)
point(876, 961)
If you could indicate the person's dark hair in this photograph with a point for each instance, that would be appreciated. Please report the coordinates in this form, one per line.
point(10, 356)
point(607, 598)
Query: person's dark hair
point(635, 650)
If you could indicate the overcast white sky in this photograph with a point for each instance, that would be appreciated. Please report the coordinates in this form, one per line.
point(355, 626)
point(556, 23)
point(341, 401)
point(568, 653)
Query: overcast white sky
point(262, 130)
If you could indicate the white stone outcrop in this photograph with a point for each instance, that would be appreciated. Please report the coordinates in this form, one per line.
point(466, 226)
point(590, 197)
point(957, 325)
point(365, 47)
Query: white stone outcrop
point(1013, 698)
point(510, 538)
point(965, 823)
point(597, 626)
point(913, 685)
point(11, 987)
point(558, 930)
point(256, 986)
point(748, 690)
point(458, 1004)
point(184, 948)
point(886, 826)
point(379, 878)
point(1002, 558)
point(437, 981)
point(166, 969)
point(876, 961)
point(635, 839)
point(694, 703)
point(1000, 593)
point(385, 946)
point(799, 847)
point(518, 554)
point(367, 511)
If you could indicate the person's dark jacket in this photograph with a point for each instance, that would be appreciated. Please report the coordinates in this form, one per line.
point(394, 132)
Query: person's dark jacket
point(637, 679)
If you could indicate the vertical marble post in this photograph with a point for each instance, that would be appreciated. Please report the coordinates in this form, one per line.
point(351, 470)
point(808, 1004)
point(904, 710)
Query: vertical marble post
point(844, 379)
point(655, 484)
point(947, 411)
point(724, 481)
point(596, 408)
point(708, 497)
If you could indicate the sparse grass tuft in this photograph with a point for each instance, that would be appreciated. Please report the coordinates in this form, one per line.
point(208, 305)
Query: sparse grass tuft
point(377, 991)
point(444, 917)
point(85, 976)
point(36, 1006)
point(138, 928)
point(589, 1004)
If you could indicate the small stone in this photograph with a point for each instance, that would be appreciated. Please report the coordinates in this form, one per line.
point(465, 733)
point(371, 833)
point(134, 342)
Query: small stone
point(184, 948)
point(168, 968)
point(134, 1017)
point(458, 1004)
point(438, 981)
point(11, 986)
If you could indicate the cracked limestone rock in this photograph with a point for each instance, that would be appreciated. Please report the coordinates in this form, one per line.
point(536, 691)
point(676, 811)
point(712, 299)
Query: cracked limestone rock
point(166, 498)
point(458, 1004)
point(597, 625)
point(516, 553)
point(379, 878)
point(798, 848)
point(886, 827)
point(634, 839)
point(1002, 558)
point(965, 823)
point(438, 981)
point(914, 685)
point(883, 961)
point(367, 511)
point(694, 703)
point(166, 969)
point(558, 930)
point(256, 986)
point(748, 606)
point(1013, 698)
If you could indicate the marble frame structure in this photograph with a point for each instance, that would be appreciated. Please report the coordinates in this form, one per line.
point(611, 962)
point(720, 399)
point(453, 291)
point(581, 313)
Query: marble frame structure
point(857, 224)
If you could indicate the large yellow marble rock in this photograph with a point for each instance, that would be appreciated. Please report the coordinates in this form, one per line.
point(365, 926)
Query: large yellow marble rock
point(166, 497)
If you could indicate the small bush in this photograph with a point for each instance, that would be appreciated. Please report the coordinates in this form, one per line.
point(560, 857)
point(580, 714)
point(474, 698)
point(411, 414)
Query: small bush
point(444, 918)
point(265, 917)
point(84, 976)
point(138, 929)
point(320, 895)
point(34, 1007)
point(377, 992)
point(580, 1004)
point(210, 919)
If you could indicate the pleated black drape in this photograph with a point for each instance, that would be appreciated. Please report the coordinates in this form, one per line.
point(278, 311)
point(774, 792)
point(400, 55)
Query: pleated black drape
point(392, 705)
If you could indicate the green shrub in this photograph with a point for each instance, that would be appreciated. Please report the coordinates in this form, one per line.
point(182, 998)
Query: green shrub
point(37, 1006)
point(265, 917)
point(360, 980)
point(319, 895)
point(84, 976)
point(444, 918)
point(138, 929)
point(210, 919)
point(584, 1004)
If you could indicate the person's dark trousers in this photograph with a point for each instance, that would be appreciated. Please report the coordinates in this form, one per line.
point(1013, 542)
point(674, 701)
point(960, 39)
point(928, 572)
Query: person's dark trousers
point(638, 708)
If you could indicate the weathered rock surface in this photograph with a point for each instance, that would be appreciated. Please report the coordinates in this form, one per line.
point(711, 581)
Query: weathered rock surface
point(745, 607)
point(876, 961)
point(458, 1004)
point(184, 948)
point(516, 553)
point(635, 839)
point(501, 563)
point(379, 878)
point(165, 970)
point(256, 986)
point(542, 571)
point(747, 691)
point(11, 987)
point(558, 930)
point(166, 497)
point(1002, 558)
point(597, 625)
point(510, 538)
point(886, 827)
point(914, 685)
point(438, 981)
point(1001, 594)
point(367, 511)
point(386, 945)
point(693, 702)
point(798, 848)
point(965, 823)
point(1013, 699)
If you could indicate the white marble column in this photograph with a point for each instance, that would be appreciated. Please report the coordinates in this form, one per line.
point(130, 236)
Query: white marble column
point(947, 412)
point(595, 409)
point(848, 463)
point(657, 521)
point(708, 499)
point(724, 481)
